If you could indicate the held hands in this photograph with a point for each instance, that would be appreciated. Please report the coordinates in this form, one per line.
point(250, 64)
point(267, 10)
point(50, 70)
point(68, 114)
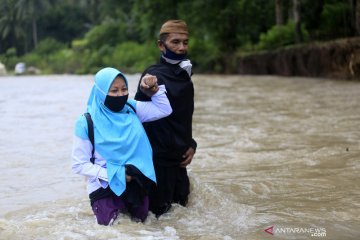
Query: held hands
point(149, 85)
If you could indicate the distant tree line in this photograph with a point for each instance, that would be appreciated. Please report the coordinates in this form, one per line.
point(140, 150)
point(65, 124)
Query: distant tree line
point(84, 35)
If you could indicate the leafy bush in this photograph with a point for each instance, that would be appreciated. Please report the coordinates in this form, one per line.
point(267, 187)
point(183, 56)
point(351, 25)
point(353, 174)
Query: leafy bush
point(108, 33)
point(132, 57)
point(33, 59)
point(49, 46)
point(279, 36)
point(9, 58)
point(59, 62)
point(78, 44)
point(62, 62)
point(204, 55)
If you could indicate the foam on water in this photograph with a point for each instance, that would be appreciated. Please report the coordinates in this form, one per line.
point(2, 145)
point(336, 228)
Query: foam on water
point(209, 215)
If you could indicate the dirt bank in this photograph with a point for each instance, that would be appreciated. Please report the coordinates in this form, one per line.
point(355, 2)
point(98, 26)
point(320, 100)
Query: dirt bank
point(336, 59)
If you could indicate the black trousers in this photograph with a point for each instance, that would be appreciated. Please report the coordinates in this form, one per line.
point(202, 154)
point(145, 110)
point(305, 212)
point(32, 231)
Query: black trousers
point(173, 186)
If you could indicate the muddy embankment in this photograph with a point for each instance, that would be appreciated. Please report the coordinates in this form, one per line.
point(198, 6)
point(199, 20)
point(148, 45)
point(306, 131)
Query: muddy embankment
point(337, 59)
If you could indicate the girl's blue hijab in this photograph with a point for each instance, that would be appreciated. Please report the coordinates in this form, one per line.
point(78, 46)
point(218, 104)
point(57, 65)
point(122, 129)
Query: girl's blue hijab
point(119, 136)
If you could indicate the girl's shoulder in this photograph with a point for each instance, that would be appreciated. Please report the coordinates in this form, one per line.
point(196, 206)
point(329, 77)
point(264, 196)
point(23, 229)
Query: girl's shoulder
point(132, 102)
point(81, 129)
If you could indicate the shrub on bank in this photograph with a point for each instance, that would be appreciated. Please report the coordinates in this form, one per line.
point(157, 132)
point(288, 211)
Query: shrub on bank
point(9, 59)
point(204, 56)
point(280, 36)
point(50, 58)
point(132, 57)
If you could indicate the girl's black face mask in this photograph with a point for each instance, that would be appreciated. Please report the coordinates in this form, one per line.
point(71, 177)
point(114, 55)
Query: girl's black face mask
point(116, 104)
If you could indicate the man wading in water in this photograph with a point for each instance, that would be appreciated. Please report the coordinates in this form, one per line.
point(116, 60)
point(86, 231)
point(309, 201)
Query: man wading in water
point(171, 137)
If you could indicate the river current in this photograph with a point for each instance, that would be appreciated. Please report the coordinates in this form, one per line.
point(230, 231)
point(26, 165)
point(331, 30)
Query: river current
point(277, 158)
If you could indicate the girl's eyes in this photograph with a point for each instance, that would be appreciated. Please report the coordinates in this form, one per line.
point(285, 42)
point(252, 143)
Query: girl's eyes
point(117, 90)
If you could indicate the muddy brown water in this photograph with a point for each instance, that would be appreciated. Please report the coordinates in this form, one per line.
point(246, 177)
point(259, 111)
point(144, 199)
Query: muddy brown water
point(273, 153)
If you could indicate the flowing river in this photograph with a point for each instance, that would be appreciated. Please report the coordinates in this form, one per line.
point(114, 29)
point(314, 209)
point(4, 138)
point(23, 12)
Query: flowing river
point(277, 158)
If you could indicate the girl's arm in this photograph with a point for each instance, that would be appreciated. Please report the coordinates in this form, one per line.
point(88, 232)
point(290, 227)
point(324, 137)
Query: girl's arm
point(81, 154)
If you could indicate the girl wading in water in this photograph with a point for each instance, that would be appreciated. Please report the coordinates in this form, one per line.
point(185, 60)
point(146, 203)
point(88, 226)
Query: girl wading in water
point(121, 172)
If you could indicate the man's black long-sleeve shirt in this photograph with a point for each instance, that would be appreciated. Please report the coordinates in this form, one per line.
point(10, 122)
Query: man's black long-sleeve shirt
point(171, 136)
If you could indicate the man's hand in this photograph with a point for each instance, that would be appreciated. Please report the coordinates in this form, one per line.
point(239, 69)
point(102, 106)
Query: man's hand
point(188, 156)
point(148, 85)
point(128, 178)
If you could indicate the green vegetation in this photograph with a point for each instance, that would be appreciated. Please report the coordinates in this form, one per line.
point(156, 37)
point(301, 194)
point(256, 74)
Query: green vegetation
point(280, 36)
point(82, 36)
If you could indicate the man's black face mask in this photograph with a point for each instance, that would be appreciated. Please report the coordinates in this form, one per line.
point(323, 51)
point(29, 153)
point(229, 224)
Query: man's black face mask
point(172, 55)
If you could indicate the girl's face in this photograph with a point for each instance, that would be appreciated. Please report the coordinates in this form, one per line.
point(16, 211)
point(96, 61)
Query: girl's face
point(118, 87)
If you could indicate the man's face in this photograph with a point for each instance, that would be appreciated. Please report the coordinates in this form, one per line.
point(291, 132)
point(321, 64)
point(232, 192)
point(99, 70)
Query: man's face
point(176, 42)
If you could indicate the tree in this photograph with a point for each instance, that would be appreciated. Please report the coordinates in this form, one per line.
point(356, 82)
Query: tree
point(32, 10)
point(357, 17)
point(149, 16)
point(65, 22)
point(279, 12)
point(11, 27)
point(296, 12)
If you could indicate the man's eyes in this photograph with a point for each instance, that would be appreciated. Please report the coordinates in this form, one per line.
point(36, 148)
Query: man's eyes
point(178, 42)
